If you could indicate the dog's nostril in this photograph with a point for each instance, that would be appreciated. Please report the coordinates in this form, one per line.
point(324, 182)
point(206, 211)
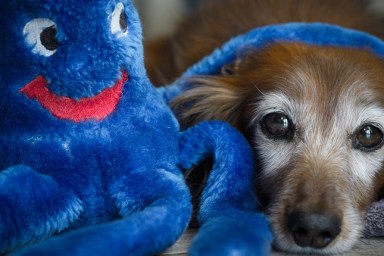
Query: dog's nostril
point(326, 237)
point(313, 229)
point(301, 234)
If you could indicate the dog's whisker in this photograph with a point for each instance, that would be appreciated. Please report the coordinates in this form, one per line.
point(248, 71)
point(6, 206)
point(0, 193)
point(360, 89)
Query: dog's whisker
point(257, 88)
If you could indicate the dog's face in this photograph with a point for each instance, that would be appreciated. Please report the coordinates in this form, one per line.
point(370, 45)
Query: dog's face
point(315, 117)
point(318, 131)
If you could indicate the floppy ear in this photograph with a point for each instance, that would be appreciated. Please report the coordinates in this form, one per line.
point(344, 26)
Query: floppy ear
point(218, 97)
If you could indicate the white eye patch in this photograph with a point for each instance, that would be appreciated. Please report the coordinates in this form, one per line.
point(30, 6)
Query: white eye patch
point(40, 34)
point(119, 24)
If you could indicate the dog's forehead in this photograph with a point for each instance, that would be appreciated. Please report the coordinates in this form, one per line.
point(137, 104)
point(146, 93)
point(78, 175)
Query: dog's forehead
point(326, 76)
point(320, 76)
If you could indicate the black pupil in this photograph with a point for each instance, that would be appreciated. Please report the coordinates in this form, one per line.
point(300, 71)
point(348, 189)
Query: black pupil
point(48, 38)
point(123, 22)
point(276, 125)
point(369, 136)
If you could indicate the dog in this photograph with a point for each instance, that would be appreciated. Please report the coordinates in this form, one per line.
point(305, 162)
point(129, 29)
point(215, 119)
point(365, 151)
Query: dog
point(314, 115)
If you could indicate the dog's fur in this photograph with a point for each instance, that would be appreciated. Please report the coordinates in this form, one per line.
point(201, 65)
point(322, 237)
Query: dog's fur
point(323, 168)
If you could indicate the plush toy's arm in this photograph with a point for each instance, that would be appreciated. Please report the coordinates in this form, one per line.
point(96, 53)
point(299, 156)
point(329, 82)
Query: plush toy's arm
point(154, 214)
point(229, 216)
point(32, 207)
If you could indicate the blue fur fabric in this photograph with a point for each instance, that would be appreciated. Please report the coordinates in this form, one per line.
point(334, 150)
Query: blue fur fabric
point(92, 157)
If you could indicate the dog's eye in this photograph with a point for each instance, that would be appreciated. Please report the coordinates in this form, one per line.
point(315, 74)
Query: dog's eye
point(368, 138)
point(277, 126)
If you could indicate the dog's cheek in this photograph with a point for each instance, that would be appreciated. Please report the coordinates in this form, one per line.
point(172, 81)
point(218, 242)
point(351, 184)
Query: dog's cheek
point(379, 186)
point(274, 164)
point(366, 178)
point(268, 187)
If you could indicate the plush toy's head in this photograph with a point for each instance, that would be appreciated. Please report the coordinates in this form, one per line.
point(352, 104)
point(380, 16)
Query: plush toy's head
point(73, 51)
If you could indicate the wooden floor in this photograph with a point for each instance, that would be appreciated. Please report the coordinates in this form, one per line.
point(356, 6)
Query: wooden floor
point(365, 247)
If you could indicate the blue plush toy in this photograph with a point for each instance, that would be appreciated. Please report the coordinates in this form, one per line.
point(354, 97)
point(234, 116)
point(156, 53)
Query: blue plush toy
point(91, 155)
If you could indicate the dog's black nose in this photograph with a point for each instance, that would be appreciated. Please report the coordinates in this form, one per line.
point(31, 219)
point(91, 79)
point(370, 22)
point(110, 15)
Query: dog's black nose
point(313, 229)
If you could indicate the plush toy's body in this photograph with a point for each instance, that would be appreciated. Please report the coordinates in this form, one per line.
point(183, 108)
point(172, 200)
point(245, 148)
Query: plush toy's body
point(88, 144)
point(66, 163)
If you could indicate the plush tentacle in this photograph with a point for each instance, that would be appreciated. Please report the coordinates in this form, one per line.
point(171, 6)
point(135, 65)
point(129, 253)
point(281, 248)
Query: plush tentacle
point(244, 234)
point(231, 223)
point(151, 221)
point(32, 207)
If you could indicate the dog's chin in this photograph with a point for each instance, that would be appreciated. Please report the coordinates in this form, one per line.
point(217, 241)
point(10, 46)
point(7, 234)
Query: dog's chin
point(285, 245)
point(351, 231)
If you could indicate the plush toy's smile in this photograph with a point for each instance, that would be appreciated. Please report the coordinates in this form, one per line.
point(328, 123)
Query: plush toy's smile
point(97, 107)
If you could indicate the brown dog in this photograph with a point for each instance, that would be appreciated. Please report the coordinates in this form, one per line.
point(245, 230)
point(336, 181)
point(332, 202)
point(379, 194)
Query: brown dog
point(314, 115)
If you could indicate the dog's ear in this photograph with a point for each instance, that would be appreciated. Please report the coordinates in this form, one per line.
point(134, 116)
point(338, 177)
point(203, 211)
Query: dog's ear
point(221, 97)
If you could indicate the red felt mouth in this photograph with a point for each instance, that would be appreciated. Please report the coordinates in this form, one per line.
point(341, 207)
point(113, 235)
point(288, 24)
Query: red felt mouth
point(97, 107)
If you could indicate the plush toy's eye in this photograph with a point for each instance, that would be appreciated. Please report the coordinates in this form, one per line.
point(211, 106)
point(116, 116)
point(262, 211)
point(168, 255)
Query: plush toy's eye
point(119, 24)
point(40, 34)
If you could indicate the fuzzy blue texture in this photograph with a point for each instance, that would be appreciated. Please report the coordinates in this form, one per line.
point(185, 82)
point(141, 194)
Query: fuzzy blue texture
point(230, 220)
point(317, 34)
point(111, 185)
